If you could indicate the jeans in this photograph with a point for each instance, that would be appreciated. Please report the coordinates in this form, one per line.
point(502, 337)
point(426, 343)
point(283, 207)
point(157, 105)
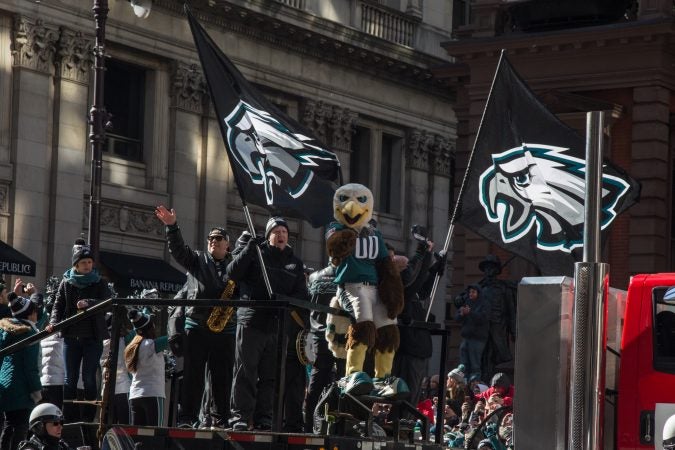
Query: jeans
point(15, 428)
point(470, 352)
point(87, 353)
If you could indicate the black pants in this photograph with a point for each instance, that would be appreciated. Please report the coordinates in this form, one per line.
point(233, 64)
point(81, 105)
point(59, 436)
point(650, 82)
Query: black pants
point(120, 412)
point(53, 395)
point(322, 375)
point(294, 393)
point(412, 369)
point(14, 429)
point(254, 376)
point(215, 351)
point(147, 411)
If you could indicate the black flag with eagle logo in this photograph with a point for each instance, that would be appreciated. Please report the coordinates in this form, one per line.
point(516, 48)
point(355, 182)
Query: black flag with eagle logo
point(525, 183)
point(277, 163)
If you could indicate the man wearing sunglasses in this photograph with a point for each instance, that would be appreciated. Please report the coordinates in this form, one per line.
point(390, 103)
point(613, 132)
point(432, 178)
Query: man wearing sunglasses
point(206, 279)
point(46, 426)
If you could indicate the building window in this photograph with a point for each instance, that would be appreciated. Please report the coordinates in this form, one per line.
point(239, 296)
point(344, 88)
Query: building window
point(390, 175)
point(461, 13)
point(359, 164)
point(124, 95)
point(377, 162)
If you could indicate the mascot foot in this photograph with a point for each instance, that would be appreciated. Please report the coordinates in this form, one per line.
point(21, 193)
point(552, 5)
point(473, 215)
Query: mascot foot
point(356, 383)
point(390, 387)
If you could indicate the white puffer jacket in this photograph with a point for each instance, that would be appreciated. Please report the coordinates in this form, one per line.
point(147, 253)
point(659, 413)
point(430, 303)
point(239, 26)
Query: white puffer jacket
point(52, 361)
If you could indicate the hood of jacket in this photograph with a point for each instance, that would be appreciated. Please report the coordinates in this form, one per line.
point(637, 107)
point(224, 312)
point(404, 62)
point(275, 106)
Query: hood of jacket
point(14, 327)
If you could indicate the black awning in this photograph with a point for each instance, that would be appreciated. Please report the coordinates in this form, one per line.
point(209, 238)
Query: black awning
point(14, 262)
point(131, 272)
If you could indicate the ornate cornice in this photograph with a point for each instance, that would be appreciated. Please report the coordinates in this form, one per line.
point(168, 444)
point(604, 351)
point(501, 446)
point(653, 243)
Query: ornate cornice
point(33, 45)
point(119, 218)
point(188, 88)
point(331, 124)
point(428, 152)
point(417, 149)
point(74, 55)
point(320, 38)
point(441, 152)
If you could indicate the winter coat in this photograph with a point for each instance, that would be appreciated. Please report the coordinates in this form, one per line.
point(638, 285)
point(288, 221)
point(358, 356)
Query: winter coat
point(19, 374)
point(203, 280)
point(415, 341)
point(65, 306)
point(53, 361)
point(475, 325)
point(321, 289)
point(35, 443)
point(286, 275)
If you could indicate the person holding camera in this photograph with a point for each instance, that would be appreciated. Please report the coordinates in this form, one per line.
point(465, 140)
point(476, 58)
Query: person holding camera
point(473, 315)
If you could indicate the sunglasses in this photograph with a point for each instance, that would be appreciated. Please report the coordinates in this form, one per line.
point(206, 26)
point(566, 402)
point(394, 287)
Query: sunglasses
point(215, 238)
point(57, 423)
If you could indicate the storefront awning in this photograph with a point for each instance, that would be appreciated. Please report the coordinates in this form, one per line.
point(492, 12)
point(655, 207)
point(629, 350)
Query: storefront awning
point(131, 273)
point(14, 262)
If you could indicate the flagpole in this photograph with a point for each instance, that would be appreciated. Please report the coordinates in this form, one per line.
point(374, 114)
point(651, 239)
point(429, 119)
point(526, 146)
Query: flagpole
point(458, 203)
point(251, 229)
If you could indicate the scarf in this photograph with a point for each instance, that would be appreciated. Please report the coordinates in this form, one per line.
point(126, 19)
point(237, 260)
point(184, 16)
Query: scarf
point(81, 281)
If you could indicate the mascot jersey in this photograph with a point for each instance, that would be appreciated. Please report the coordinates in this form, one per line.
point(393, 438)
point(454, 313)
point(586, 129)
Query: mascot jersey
point(359, 267)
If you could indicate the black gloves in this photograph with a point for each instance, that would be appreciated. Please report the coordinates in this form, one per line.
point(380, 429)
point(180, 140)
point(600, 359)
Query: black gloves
point(419, 233)
point(438, 267)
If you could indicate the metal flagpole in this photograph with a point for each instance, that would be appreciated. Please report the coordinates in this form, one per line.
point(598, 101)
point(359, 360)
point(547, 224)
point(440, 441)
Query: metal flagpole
point(251, 229)
point(451, 228)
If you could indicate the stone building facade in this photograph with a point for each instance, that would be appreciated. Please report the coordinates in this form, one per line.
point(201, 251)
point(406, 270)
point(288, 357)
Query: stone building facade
point(357, 72)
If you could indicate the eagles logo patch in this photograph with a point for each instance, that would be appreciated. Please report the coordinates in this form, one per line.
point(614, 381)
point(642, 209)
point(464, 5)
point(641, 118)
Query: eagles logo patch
point(541, 186)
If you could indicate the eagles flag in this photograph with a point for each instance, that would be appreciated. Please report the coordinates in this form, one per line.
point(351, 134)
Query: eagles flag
point(277, 163)
point(525, 184)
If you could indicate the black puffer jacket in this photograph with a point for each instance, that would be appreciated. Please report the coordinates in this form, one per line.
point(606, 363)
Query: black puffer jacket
point(65, 306)
point(286, 275)
point(415, 341)
point(321, 290)
point(203, 280)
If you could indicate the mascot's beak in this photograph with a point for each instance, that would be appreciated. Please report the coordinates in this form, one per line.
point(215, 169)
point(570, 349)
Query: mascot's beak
point(352, 212)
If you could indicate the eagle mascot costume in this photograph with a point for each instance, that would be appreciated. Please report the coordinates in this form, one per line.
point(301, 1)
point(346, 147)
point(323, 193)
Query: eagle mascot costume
point(369, 288)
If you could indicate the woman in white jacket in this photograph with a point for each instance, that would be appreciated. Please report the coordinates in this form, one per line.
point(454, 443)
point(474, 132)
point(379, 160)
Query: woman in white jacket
point(53, 372)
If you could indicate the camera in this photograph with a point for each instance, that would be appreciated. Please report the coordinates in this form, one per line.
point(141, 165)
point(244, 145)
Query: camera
point(23, 288)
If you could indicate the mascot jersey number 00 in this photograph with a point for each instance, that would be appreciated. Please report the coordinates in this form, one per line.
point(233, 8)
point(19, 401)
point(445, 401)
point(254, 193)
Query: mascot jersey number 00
point(369, 288)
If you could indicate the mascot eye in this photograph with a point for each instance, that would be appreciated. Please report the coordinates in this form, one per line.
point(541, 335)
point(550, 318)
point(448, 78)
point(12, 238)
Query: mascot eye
point(343, 198)
point(522, 179)
point(362, 199)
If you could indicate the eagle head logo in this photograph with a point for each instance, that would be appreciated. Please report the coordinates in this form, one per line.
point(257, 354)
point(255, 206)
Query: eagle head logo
point(541, 186)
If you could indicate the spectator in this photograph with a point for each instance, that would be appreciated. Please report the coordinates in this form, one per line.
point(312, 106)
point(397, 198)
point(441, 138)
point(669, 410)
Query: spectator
point(203, 347)
point(411, 358)
point(473, 315)
point(321, 291)
point(5, 310)
point(256, 349)
point(19, 374)
point(46, 426)
point(120, 400)
point(80, 288)
point(499, 386)
point(456, 389)
point(145, 361)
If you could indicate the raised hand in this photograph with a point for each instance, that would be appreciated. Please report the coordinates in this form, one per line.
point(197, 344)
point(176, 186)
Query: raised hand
point(167, 217)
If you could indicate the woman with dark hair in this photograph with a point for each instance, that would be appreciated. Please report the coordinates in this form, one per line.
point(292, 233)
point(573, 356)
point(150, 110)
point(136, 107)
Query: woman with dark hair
point(145, 361)
point(81, 288)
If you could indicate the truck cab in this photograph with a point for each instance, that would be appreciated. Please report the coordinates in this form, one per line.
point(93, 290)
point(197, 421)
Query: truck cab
point(647, 370)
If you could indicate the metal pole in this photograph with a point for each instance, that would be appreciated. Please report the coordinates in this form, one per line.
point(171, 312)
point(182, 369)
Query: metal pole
point(251, 229)
point(591, 284)
point(97, 120)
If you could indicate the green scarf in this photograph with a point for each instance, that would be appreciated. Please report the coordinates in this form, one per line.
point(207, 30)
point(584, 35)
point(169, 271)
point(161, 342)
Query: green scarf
point(79, 280)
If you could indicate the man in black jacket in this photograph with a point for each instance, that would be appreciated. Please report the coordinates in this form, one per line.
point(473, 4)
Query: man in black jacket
point(206, 279)
point(256, 342)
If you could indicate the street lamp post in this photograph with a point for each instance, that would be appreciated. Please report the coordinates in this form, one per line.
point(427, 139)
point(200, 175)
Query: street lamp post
point(98, 118)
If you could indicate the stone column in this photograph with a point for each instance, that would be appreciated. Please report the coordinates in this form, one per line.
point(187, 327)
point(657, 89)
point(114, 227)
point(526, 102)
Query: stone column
point(69, 160)
point(6, 167)
point(186, 148)
point(648, 245)
point(33, 48)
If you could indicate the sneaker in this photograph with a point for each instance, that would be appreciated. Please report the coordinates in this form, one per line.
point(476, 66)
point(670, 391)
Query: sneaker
point(240, 426)
point(356, 383)
point(389, 387)
point(185, 425)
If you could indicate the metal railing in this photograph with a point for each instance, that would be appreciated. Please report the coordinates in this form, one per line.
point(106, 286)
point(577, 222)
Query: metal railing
point(300, 4)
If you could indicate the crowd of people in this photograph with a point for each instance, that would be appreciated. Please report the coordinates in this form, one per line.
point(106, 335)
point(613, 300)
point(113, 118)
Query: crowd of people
point(229, 371)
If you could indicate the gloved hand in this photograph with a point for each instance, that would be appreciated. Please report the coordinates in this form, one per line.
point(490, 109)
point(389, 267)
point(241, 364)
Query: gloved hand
point(36, 396)
point(439, 266)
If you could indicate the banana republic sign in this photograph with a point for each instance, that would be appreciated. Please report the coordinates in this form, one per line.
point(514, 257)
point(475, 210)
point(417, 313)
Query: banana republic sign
point(134, 273)
point(14, 262)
